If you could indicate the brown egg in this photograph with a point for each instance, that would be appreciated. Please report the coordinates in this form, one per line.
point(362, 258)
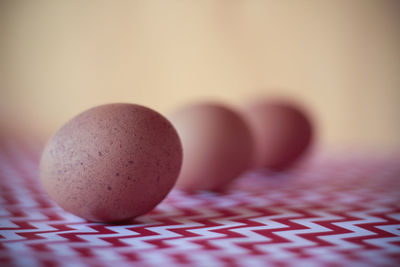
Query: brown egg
point(282, 132)
point(217, 146)
point(112, 162)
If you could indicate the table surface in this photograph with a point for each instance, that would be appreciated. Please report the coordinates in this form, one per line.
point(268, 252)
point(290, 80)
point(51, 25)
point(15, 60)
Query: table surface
point(336, 209)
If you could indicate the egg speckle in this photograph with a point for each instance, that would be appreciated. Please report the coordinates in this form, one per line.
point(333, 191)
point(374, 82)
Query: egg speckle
point(217, 146)
point(112, 162)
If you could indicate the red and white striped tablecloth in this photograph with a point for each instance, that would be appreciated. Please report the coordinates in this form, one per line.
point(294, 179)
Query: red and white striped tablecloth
point(338, 209)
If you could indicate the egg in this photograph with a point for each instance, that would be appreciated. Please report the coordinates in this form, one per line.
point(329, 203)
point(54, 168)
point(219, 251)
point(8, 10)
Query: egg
point(217, 145)
point(112, 163)
point(282, 132)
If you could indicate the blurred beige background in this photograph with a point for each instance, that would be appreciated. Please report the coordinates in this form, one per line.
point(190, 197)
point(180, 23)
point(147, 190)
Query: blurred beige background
point(340, 58)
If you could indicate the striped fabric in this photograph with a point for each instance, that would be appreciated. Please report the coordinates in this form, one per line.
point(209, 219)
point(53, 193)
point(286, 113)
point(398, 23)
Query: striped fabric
point(336, 209)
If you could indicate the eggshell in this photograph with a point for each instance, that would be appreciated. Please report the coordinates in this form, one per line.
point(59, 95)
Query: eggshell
point(282, 132)
point(112, 162)
point(217, 146)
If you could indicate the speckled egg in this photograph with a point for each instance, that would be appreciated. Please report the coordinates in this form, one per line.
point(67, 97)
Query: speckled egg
point(217, 145)
point(282, 131)
point(112, 162)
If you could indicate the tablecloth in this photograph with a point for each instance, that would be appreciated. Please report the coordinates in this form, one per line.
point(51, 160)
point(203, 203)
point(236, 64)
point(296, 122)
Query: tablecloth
point(335, 209)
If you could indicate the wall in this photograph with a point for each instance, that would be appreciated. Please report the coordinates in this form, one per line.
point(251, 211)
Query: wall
point(340, 58)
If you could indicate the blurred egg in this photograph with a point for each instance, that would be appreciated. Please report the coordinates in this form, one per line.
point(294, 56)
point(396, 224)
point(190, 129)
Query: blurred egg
point(282, 132)
point(112, 162)
point(217, 146)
